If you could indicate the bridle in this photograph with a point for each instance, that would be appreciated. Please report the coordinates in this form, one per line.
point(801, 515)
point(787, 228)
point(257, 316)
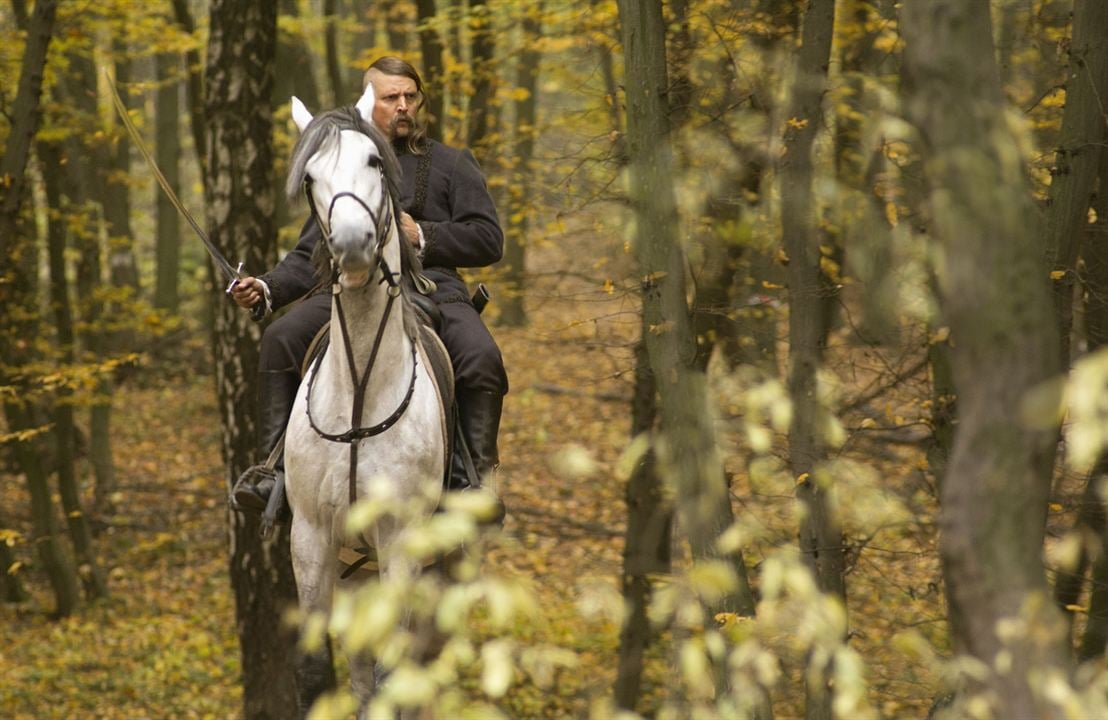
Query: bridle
point(383, 221)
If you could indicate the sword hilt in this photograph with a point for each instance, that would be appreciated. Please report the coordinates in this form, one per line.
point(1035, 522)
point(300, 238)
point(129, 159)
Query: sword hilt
point(235, 280)
point(257, 310)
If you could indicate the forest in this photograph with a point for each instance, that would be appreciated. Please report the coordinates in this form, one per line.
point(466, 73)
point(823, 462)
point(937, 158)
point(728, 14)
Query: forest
point(801, 305)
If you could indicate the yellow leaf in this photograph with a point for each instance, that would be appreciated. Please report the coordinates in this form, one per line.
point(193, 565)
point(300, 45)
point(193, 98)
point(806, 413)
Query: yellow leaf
point(1057, 274)
point(802, 478)
point(796, 123)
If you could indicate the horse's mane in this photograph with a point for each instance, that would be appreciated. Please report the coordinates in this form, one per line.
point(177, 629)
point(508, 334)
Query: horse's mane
point(321, 134)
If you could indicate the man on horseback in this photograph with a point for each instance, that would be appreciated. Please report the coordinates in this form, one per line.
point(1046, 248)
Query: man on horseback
point(450, 218)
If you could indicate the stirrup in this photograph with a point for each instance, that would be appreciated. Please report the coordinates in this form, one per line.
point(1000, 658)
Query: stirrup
point(252, 489)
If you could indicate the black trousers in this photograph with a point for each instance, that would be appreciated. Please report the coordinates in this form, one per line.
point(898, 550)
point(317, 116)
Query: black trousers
point(478, 364)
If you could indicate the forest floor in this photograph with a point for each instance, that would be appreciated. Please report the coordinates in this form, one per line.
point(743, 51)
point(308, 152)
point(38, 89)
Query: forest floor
point(164, 645)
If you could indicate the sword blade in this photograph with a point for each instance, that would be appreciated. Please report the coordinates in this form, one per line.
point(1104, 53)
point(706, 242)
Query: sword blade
point(221, 262)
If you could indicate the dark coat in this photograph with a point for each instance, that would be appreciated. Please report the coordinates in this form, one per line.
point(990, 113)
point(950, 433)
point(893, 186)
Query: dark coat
point(445, 192)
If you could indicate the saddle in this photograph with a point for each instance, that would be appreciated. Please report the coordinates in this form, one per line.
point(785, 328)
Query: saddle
point(432, 352)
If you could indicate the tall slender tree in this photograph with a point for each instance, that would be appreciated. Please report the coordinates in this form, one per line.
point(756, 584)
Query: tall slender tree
point(1073, 179)
point(91, 160)
point(688, 455)
point(17, 293)
point(167, 148)
point(194, 82)
point(11, 583)
point(122, 268)
point(238, 193)
point(512, 310)
point(994, 495)
point(482, 114)
point(430, 46)
point(821, 542)
point(646, 548)
point(1077, 156)
point(336, 78)
point(1092, 515)
point(64, 432)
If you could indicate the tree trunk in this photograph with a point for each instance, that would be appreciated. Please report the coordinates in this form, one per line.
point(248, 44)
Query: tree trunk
point(340, 94)
point(680, 49)
point(995, 492)
point(1096, 324)
point(293, 77)
point(194, 83)
point(859, 218)
point(397, 25)
point(46, 536)
point(364, 38)
point(89, 160)
point(238, 195)
point(64, 432)
point(116, 200)
point(17, 291)
point(482, 113)
point(11, 586)
point(294, 63)
point(612, 99)
point(455, 48)
point(1077, 156)
point(688, 455)
point(734, 313)
point(167, 126)
point(23, 120)
point(647, 542)
point(1073, 177)
point(512, 310)
point(820, 532)
point(430, 47)
point(1010, 41)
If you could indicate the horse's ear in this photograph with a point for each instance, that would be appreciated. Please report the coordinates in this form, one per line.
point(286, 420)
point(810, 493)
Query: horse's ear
point(365, 103)
point(300, 114)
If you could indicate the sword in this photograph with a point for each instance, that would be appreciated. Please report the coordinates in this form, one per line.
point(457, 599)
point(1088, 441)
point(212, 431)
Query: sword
point(232, 274)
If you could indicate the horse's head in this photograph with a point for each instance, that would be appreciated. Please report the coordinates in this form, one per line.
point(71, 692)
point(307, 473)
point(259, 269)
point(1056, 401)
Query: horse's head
point(343, 163)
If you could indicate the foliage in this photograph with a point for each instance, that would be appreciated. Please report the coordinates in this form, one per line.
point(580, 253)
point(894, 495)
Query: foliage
point(534, 626)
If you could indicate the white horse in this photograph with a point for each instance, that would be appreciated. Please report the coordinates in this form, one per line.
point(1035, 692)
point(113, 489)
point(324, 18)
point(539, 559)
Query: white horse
point(368, 420)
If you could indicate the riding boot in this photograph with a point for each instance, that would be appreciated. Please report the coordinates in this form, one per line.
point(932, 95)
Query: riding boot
point(479, 419)
point(276, 394)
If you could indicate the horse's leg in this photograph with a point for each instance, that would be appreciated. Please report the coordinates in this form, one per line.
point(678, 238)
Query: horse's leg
point(394, 568)
point(360, 664)
point(362, 679)
point(313, 563)
point(315, 675)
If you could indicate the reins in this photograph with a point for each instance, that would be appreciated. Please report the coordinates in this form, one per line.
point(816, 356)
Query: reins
point(383, 222)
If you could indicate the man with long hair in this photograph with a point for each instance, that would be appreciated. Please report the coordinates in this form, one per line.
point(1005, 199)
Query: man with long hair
point(450, 218)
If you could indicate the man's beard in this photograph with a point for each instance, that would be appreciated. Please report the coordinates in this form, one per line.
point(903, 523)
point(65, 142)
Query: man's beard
point(409, 124)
